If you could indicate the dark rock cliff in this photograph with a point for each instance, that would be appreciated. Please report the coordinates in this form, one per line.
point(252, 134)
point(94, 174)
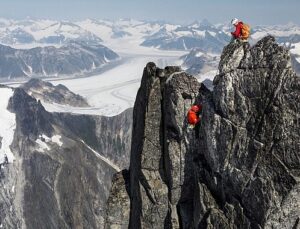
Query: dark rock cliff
point(109, 135)
point(63, 168)
point(239, 169)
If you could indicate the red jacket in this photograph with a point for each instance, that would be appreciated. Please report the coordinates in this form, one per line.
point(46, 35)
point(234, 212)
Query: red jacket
point(238, 30)
point(193, 114)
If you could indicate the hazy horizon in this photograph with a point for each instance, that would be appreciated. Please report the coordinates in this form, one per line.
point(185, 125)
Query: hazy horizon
point(137, 19)
point(268, 12)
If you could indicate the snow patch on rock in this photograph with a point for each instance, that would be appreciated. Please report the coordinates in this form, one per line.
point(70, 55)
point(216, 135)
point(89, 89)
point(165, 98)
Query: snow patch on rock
point(56, 139)
point(43, 140)
point(42, 145)
point(7, 127)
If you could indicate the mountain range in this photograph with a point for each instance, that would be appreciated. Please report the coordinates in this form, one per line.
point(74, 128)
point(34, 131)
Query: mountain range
point(155, 34)
point(202, 36)
point(74, 58)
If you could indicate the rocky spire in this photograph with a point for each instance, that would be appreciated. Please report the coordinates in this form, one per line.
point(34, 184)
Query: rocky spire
point(242, 169)
point(250, 135)
point(159, 147)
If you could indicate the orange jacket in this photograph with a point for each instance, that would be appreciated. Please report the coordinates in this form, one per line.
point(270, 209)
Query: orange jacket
point(193, 114)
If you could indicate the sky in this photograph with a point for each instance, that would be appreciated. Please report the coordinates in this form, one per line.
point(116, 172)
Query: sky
point(258, 12)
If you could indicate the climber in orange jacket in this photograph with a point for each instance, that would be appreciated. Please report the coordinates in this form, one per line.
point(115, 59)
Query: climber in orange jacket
point(193, 114)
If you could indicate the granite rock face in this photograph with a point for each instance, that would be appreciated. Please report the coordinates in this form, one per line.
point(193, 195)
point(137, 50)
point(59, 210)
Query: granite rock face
point(250, 137)
point(158, 158)
point(109, 135)
point(118, 203)
point(240, 168)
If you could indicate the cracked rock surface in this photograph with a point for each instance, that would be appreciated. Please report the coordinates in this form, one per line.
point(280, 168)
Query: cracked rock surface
point(240, 168)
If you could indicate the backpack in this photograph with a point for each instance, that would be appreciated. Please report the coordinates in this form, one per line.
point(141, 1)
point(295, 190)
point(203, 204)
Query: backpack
point(245, 32)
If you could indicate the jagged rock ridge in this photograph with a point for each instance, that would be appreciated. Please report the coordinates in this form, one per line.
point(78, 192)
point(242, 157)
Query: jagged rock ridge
point(239, 169)
point(59, 94)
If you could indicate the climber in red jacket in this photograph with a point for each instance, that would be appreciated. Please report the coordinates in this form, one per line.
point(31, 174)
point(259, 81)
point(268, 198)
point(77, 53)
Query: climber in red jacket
point(238, 28)
point(242, 30)
point(193, 114)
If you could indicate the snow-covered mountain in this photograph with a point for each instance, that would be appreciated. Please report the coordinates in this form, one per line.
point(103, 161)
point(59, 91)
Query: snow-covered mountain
point(283, 33)
point(49, 93)
point(204, 66)
point(43, 31)
point(197, 62)
point(120, 28)
point(95, 29)
point(74, 58)
point(45, 157)
point(128, 35)
point(202, 35)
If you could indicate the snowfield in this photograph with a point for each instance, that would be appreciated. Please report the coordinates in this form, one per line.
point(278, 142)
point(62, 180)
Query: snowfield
point(7, 127)
point(113, 91)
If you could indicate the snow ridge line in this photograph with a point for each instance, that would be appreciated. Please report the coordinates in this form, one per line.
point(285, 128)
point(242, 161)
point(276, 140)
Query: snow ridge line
point(102, 158)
